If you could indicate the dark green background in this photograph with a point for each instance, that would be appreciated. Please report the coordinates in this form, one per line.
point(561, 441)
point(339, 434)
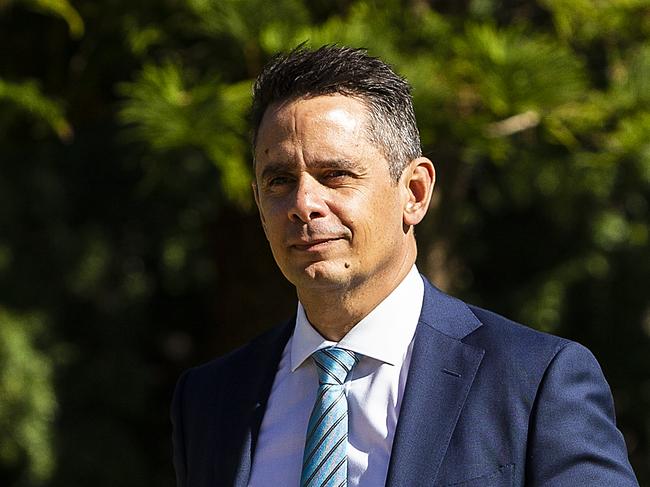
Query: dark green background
point(130, 248)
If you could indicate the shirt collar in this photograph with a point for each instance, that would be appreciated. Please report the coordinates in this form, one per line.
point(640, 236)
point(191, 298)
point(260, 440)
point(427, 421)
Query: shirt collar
point(384, 334)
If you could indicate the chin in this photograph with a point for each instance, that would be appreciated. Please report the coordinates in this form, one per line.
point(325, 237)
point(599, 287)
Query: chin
point(322, 274)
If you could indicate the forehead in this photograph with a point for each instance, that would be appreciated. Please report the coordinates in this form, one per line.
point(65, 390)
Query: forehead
point(333, 122)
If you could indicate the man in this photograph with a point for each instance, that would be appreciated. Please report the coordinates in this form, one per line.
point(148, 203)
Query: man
point(380, 379)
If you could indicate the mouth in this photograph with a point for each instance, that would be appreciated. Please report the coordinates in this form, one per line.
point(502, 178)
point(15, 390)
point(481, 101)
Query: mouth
point(315, 245)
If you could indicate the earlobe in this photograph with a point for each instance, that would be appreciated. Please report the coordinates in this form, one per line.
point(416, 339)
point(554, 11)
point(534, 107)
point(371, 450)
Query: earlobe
point(419, 184)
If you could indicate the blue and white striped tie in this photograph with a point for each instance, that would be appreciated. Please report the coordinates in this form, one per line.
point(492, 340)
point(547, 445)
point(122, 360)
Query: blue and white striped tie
point(325, 460)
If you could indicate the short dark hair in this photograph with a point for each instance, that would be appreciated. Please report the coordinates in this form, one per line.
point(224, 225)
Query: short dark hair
point(331, 69)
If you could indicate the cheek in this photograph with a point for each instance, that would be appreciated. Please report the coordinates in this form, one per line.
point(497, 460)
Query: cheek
point(385, 224)
point(271, 231)
point(372, 214)
point(272, 214)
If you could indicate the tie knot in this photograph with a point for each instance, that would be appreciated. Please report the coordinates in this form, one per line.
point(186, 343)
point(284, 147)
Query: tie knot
point(334, 364)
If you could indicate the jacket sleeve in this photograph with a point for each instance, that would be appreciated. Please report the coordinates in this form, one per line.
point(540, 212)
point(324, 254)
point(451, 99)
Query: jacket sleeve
point(178, 434)
point(573, 439)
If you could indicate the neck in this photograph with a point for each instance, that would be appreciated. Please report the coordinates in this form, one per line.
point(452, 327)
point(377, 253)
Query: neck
point(335, 312)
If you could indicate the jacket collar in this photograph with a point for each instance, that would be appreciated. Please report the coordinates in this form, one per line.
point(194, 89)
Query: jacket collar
point(440, 375)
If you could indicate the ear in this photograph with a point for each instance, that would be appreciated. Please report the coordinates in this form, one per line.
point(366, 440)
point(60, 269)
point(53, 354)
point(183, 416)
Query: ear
point(419, 180)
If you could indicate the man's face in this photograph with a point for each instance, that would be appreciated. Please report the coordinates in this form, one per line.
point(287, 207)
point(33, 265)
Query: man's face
point(331, 213)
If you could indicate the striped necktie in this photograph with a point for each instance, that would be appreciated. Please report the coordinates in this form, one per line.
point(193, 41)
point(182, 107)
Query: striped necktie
point(325, 460)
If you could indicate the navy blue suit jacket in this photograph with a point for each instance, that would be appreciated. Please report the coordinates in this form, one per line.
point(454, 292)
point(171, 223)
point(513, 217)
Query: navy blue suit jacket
point(487, 403)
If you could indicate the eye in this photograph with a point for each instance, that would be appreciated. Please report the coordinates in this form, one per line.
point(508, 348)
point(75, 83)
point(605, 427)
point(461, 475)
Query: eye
point(338, 173)
point(279, 181)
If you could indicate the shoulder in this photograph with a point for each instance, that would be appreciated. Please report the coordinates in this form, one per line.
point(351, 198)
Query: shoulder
point(246, 366)
point(499, 337)
point(518, 351)
point(516, 360)
point(240, 361)
point(549, 404)
point(499, 331)
point(240, 376)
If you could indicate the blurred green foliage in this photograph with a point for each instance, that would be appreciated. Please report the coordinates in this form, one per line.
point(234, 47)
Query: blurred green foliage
point(28, 404)
point(26, 98)
point(129, 244)
point(166, 114)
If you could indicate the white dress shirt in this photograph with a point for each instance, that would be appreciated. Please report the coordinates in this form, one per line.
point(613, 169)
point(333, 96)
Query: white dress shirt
point(384, 338)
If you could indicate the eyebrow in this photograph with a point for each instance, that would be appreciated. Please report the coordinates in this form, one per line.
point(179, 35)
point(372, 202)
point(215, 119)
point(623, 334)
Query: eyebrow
point(336, 163)
point(275, 168)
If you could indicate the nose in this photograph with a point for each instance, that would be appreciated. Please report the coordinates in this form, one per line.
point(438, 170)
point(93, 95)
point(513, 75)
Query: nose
point(308, 202)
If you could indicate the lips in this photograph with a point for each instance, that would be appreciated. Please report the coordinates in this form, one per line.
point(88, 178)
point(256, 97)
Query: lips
point(314, 244)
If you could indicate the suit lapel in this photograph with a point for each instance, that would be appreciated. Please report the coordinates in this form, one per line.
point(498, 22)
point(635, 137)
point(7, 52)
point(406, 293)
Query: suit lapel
point(250, 398)
point(440, 375)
